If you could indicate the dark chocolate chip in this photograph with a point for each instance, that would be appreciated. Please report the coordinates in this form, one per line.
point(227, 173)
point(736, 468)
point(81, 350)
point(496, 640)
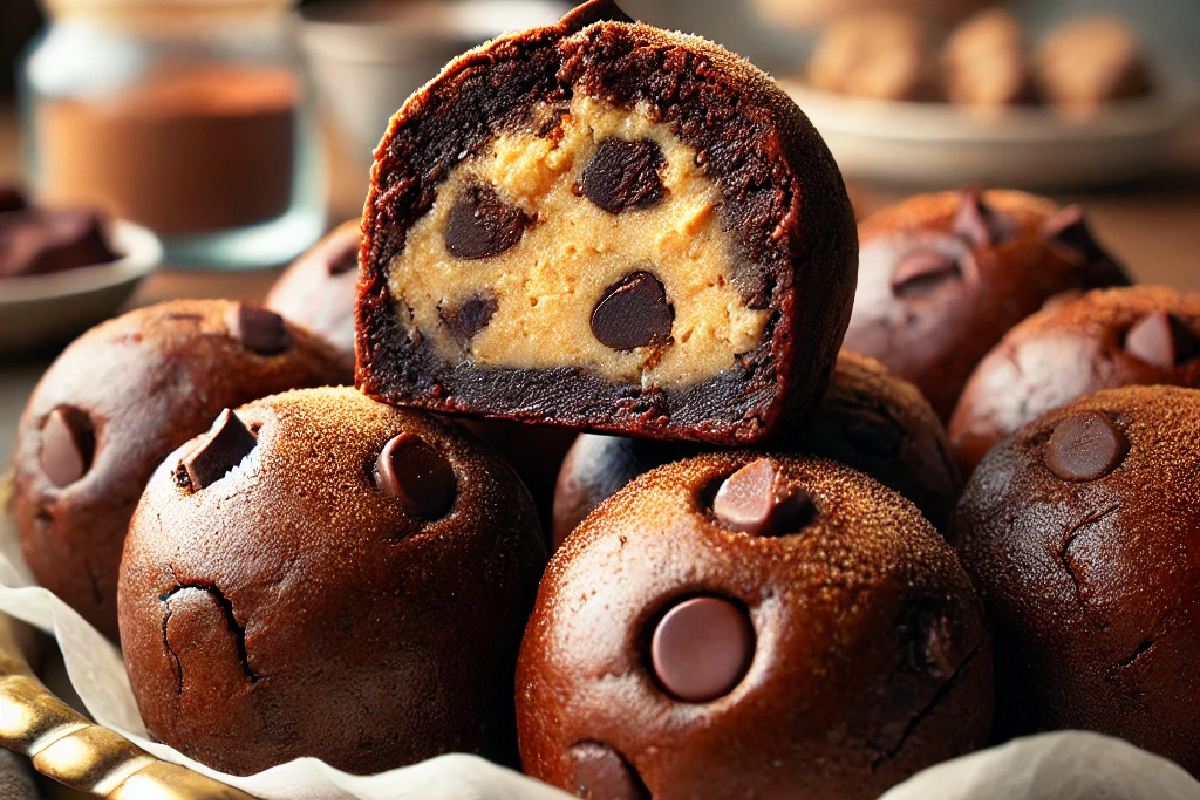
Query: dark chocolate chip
point(759, 499)
point(924, 269)
point(1161, 340)
point(593, 11)
point(481, 225)
point(12, 199)
point(1069, 229)
point(634, 313)
point(470, 318)
point(260, 331)
point(599, 773)
point(624, 174)
point(1085, 447)
point(978, 224)
point(701, 648)
point(227, 442)
point(418, 476)
point(68, 445)
point(343, 259)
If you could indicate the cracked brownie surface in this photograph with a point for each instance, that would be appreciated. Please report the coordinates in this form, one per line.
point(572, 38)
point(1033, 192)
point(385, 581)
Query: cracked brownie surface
point(323, 575)
point(604, 225)
point(740, 625)
point(1080, 531)
point(114, 404)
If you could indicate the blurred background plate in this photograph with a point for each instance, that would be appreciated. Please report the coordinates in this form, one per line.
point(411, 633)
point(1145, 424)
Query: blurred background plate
point(41, 310)
point(936, 145)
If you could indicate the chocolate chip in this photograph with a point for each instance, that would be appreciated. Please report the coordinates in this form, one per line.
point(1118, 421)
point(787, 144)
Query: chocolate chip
point(599, 773)
point(593, 11)
point(701, 648)
point(1069, 229)
point(343, 259)
point(1161, 340)
point(12, 199)
point(624, 174)
point(481, 225)
point(418, 476)
point(469, 318)
point(227, 442)
point(759, 499)
point(68, 445)
point(1085, 447)
point(260, 331)
point(634, 313)
point(922, 270)
point(978, 224)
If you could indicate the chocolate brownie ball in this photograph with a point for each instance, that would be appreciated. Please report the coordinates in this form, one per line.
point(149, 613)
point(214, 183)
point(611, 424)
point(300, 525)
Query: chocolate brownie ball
point(1080, 531)
point(317, 291)
point(1089, 62)
point(869, 420)
point(114, 404)
point(739, 625)
point(984, 63)
point(1102, 340)
point(882, 55)
point(322, 575)
point(604, 225)
point(942, 277)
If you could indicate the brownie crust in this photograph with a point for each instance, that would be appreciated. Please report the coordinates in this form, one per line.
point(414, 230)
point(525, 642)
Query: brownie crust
point(782, 200)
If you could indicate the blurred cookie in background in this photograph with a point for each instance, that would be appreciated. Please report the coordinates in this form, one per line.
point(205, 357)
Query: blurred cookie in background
point(882, 55)
point(984, 63)
point(1090, 61)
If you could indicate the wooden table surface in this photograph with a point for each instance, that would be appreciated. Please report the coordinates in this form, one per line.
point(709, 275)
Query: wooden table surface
point(1153, 225)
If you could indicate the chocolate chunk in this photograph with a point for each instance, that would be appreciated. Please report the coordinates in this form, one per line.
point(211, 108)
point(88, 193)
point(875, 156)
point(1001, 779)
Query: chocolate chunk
point(344, 259)
point(12, 199)
point(978, 224)
point(758, 499)
point(1069, 229)
point(624, 174)
point(418, 476)
point(924, 269)
point(470, 318)
point(701, 648)
point(481, 225)
point(1161, 340)
point(68, 445)
point(227, 442)
point(1085, 447)
point(634, 313)
point(599, 773)
point(593, 11)
point(260, 331)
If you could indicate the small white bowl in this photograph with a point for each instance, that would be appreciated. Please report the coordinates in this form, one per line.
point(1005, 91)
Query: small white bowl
point(40, 311)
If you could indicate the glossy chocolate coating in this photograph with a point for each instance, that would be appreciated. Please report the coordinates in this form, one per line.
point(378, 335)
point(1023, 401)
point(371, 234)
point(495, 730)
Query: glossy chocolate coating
point(136, 388)
point(298, 607)
point(1011, 253)
point(869, 420)
point(1086, 573)
point(1102, 340)
point(866, 657)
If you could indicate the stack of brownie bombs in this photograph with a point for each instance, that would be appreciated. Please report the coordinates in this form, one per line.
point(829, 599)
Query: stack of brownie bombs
point(740, 580)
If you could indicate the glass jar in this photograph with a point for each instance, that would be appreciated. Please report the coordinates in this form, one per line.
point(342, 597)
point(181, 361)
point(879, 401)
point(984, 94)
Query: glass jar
point(191, 117)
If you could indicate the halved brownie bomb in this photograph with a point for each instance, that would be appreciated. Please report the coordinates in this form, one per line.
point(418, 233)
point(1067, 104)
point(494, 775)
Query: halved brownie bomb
point(1102, 340)
point(1080, 531)
point(318, 290)
point(740, 625)
point(869, 420)
point(605, 225)
point(322, 575)
point(944, 276)
point(114, 404)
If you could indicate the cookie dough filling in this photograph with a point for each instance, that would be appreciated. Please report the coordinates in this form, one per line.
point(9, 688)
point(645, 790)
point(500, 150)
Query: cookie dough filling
point(597, 246)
